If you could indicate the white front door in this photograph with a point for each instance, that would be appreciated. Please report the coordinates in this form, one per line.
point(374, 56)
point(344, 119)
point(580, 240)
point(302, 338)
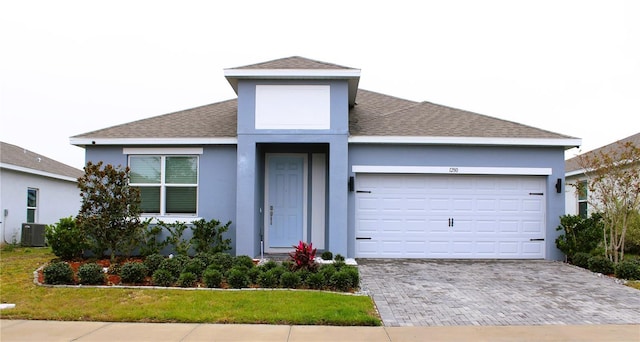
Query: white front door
point(446, 216)
point(285, 201)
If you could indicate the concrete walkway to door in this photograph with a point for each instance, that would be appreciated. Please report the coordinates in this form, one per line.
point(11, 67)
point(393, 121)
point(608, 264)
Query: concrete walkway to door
point(494, 293)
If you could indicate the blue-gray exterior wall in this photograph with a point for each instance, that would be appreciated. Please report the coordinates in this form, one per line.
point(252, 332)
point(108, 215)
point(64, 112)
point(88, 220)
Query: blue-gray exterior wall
point(467, 156)
point(253, 143)
point(217, 180)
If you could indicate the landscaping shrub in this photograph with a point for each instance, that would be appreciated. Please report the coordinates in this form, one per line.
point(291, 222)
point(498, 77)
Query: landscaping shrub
point(176, 229)
point(279, 270)
point(207, 236)
point(327, 271)
point(153, 262)
point(195, 266)
point(339, 258)
point(289, 265)
point(91, 274)
point(206, 258)
point(222, 261)
point(268, 279)
point(304, 256)
point(354, 275)
point(243, 261)
point(133, 272)
point(152, 244)
point(58, 273)
point(237, 277)
point(66, 239)
point(581, 259)
point(632, 238)
point(212, 277)
point(580, 234)
point(326, 255)
point(269, 265)
point(628, 269)
point(304, 274)
point(173, 265)
point(341, 281)
point(339, 264)
point(600, 264)
point(163, 278)
point(187, 279)
point(315, 281)
point(253, 274)
point(290, 280)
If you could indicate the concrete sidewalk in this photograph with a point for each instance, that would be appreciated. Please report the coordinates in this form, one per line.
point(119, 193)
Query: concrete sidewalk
point(21, 330)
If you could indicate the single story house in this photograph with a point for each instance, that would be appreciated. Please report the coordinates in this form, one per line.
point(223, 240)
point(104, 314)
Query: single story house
point(576, 201)
point(34, 189)
point(304, 154)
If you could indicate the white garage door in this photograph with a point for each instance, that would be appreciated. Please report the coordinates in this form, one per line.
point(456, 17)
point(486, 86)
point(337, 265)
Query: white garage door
point(450, 216)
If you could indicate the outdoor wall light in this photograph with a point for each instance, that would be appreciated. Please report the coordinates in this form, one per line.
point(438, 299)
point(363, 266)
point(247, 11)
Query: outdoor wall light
point(559, 185)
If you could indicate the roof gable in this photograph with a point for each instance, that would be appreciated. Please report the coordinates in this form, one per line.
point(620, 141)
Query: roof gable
point(18, 158)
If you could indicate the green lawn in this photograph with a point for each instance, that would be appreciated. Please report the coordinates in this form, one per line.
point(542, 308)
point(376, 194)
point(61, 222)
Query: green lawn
point(148, 305)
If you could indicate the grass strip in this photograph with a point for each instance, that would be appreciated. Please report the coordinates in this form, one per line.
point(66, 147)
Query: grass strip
point(148, 305)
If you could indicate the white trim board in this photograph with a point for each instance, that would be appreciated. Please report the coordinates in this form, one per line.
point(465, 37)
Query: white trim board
point(456, 170)
point(289, 73)
point(364, 139)
point(154, 141)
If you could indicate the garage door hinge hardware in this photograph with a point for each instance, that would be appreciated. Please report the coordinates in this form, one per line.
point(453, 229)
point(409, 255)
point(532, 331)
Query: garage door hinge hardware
point(363, 191)
point(536, 193)
point(451, 222)
point(536, 239)
point(363, 238)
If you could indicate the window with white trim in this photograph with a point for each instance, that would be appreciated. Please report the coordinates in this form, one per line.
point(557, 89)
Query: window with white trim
point(168, 183)
point(582, 200)
point(32, 205)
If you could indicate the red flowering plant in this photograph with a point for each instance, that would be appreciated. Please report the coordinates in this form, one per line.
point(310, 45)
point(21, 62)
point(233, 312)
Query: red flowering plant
point(303, 256)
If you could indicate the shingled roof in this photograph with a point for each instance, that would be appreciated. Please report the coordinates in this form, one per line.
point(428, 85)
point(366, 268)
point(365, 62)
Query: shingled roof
point(573, 164)
point(374, 114)
point(12, 155)
point(294, 62)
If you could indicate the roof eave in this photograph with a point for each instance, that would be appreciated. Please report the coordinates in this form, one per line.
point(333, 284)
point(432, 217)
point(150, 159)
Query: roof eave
point(37, 172)
point(351, 75)
point(567, 143)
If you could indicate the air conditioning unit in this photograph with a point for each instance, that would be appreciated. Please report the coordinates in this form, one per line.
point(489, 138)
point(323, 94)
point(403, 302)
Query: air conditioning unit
point(33, 235)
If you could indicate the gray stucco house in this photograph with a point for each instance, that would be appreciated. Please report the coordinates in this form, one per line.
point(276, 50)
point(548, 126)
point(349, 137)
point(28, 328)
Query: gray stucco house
point(304, 154)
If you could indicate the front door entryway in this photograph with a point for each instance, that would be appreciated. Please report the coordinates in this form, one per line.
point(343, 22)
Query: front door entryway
point(285, 201)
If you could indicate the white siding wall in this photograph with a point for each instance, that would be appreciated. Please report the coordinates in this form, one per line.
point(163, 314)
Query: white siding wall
point(56, 199)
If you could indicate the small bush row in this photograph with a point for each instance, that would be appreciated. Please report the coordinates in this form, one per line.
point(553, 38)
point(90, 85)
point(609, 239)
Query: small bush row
point(627, 269)
point(213, 271)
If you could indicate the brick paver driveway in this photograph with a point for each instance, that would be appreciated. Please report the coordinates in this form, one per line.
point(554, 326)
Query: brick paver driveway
point(434, 292)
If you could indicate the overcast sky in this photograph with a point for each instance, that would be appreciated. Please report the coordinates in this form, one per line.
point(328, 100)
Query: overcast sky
point(70, 67)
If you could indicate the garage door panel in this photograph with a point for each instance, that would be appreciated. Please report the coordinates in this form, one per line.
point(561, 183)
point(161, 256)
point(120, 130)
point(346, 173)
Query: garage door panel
point(409, 216)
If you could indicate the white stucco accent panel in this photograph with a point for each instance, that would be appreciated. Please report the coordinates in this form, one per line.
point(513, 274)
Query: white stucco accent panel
point(293, 107)
point(318, 187)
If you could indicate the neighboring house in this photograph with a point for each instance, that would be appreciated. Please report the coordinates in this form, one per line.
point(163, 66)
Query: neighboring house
point(576, 201)
point(34, 189)
point(304, 154)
